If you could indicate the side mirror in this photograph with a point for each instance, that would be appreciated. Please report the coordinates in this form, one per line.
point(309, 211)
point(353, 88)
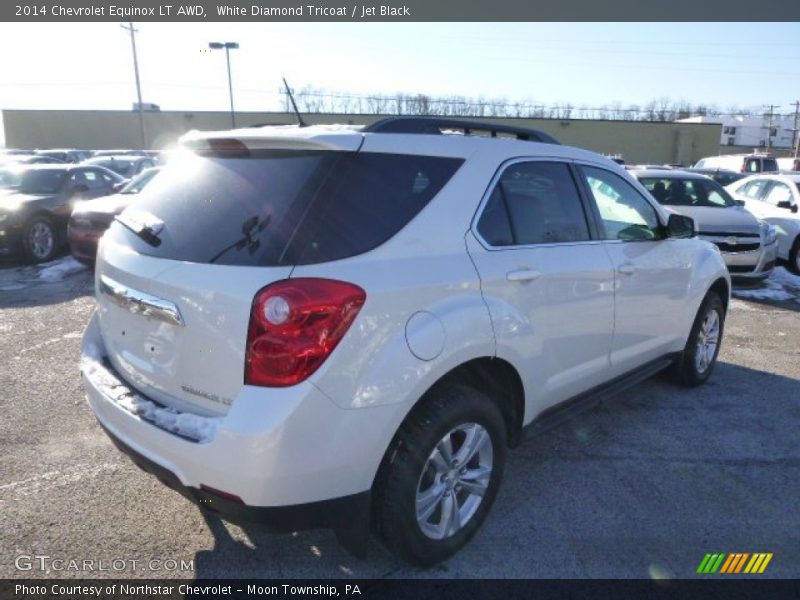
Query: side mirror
point(787, 205)
point(739, 202)
point(680, 226)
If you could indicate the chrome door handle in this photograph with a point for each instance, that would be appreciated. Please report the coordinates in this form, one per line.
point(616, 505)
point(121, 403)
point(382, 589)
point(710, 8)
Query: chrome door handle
point(523, 275)
point(626, 269)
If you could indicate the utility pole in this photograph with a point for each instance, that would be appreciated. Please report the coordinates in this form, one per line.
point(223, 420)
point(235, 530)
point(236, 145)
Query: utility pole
point(133, 31)
point(227, 46)
point(795, 137)
point(771, 108)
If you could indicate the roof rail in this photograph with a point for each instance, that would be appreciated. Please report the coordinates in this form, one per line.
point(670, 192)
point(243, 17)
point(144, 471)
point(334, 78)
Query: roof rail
point(435, 125)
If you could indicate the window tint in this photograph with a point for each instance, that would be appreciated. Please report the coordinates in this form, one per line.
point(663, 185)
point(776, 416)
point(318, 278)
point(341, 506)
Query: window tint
point(769, 164)
point(672, 191)
point(534, 203)
point(625, 213)
point(780, 192)
point(285, 207)
point(754, 189)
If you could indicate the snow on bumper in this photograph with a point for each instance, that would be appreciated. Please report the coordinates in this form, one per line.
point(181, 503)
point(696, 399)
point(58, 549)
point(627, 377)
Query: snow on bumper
point(275, 447)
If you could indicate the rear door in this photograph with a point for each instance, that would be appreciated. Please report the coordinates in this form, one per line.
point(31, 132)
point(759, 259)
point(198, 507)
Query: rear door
point(548, 283)
point(652, 272)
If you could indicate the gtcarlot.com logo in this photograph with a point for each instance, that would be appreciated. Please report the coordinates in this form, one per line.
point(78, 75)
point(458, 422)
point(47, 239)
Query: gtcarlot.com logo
point(43, 562)
point(734, 562)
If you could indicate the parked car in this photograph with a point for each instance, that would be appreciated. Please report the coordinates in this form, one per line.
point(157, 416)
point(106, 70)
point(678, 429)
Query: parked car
point(775, 199)
point(721, 176)
point(789, 164)
point(106, 153)
point(126, 166)
point(748, 246)
point(66, 155)
point(37, 159)
point(91, 218)
point(743, 163)
point(35, 210)
point(779, 190)
point(337, 328)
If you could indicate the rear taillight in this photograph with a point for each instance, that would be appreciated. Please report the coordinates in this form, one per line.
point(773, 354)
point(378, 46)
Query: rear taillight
point(294, 326)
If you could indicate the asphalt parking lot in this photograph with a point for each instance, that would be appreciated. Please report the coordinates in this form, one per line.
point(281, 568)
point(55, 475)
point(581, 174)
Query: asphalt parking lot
point(641, 487)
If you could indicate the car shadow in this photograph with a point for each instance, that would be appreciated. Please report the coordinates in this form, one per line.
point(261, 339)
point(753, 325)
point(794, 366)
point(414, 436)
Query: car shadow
point(60, 280)
point(251, 551)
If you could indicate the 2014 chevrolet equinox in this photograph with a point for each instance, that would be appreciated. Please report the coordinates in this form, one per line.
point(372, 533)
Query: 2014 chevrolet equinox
point(330, 327)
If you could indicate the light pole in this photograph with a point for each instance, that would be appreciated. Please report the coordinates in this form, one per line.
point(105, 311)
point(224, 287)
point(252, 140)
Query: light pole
point(228, 46)
point(132, 31)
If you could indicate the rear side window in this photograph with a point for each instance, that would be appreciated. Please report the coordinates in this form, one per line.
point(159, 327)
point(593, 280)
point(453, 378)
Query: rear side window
point(769, 164)
point(284, 207)
point(534, 203)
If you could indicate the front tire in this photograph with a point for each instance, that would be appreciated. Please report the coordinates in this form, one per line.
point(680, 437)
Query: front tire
point(441, 474)
point(696, 362)
point(793, 264)
point(40, 240)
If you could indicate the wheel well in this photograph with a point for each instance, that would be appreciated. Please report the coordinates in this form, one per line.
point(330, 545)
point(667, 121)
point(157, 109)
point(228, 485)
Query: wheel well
point(499, 381)
point(721, 287)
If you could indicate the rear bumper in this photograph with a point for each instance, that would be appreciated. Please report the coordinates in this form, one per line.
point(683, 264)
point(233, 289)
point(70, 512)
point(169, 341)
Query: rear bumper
point(334, 513)
point(275, 448)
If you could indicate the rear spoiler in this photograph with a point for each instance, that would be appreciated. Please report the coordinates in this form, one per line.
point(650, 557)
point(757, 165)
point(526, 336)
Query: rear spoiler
point(242, 142)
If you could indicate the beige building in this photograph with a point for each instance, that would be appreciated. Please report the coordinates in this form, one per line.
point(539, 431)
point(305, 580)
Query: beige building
point(636, 142)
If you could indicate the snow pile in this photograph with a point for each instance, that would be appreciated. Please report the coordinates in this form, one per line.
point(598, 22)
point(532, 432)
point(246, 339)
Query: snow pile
point(60, 269)
point(780, 286)
point(195, 427)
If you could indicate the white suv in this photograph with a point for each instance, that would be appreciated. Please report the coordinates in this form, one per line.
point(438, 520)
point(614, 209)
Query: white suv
point(327, 327)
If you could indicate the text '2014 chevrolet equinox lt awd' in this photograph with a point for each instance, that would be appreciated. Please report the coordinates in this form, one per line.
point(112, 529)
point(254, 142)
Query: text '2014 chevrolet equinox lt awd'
point(331, 327)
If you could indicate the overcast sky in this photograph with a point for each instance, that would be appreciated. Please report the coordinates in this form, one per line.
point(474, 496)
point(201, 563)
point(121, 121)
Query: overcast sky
point(48, 65)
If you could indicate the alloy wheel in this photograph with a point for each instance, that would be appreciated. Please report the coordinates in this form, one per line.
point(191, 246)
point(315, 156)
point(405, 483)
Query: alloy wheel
point(454, 480)
point(707, 341)
point(41, 240)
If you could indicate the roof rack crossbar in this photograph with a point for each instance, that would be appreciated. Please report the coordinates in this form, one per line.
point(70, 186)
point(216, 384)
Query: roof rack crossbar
point(435, 125)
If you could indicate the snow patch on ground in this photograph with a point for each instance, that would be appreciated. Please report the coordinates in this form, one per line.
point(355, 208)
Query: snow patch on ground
point(59, 269)
point(195, 427)
point(19, 278)
point(781, 286)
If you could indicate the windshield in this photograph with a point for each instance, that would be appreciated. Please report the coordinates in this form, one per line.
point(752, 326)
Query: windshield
point(8, 178)
point(688, 192)
point(137, 184)
point(121, 166)
point(42, 181)
point(282, 207)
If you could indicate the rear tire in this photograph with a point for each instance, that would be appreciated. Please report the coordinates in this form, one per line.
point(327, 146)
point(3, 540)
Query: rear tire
point(428, 505)
point(696, 362)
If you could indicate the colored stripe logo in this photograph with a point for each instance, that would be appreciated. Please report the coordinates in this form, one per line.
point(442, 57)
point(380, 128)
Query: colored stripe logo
point(734, 562)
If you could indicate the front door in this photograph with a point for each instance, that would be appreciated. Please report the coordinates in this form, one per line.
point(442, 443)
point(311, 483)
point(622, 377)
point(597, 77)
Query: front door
point(548, 284)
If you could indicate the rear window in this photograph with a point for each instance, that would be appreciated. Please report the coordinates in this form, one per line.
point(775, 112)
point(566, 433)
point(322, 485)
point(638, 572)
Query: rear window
point(283, 207)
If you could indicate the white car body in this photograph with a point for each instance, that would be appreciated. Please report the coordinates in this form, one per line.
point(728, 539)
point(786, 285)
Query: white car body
point(748, 247)
point(762, 202)
point(565, 317)
point(742, 163)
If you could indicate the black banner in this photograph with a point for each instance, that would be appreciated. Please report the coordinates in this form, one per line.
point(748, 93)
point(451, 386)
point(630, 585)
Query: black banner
point(397, 10)
point(735, 588)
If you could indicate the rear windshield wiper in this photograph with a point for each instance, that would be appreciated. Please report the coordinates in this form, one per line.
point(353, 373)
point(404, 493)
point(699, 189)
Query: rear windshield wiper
point(250, 229)
point(144, 225)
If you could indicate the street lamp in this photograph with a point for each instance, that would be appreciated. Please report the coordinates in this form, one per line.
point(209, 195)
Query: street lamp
point(228, 46)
